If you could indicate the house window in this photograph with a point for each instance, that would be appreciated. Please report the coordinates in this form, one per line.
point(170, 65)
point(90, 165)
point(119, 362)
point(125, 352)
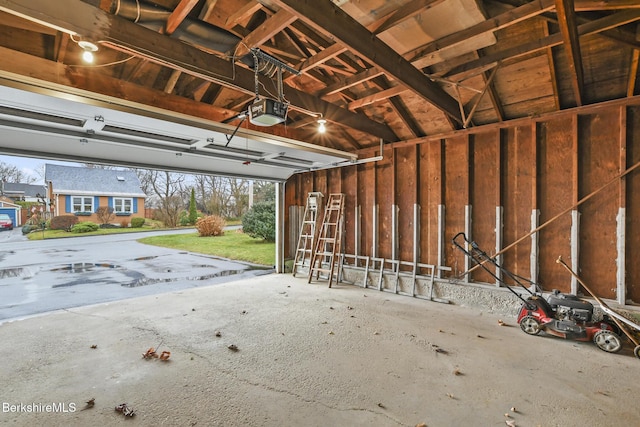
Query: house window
point(122, 205)
point(83, 204)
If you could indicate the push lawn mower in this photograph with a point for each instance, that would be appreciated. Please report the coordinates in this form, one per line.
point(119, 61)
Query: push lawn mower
point(561, 315)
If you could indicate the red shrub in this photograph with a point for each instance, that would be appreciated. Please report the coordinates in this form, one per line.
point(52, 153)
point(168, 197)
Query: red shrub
point(63, 222)
point(211, 225)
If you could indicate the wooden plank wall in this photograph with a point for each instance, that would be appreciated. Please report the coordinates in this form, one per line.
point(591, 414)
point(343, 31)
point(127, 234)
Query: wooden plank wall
point(509, 178)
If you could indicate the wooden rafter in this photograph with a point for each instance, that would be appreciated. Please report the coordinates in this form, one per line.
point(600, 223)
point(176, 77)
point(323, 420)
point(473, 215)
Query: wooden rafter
point(243, 13)
point(178, 15)
point(351, 81)
point(496, 23)
point(409, 10)
point(325, 17)
point(126, 36)
point(593, 27)
point(321, 57)
point(264, 32)
point(379, 96)
point(552, 70)
point(400, 109)
point(571, 41)
point(207, 10)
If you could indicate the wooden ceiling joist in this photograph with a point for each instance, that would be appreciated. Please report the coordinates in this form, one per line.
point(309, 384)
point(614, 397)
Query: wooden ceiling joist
point(264, 32)
point(325, 17)
point(571, 39)
point(178, 15)
point(121, 34)
point(243, 13)
point(593, 27)
point(409, 10)
point(496, 23)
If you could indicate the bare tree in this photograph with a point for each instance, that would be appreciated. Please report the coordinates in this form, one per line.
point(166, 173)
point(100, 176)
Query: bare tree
point(168, 187)
point(10, 173)
point(239, 190)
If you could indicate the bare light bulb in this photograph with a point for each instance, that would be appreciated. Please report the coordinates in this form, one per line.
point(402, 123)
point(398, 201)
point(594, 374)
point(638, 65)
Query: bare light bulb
point(88, 48)
point(321, 126)
point(87, 56)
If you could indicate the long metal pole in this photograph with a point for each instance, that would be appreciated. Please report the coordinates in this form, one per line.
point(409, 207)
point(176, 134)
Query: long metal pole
point(549, 221)
point(598, 300)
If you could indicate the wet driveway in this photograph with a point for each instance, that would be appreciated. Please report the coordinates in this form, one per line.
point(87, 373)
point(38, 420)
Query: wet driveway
point(41, 276)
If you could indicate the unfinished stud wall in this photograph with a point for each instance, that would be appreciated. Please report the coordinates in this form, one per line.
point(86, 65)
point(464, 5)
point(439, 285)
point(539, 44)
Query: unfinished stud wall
point(497, 183)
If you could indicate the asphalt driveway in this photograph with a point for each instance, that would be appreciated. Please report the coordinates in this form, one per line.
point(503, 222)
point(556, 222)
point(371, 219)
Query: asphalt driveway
point(47, 275)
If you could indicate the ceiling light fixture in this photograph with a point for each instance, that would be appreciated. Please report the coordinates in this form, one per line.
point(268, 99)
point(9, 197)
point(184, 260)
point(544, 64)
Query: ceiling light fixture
point(88, 49)
point(321, 126)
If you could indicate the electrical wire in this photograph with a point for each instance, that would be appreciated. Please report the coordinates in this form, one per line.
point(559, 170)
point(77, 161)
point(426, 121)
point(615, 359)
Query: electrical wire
point(109, 64)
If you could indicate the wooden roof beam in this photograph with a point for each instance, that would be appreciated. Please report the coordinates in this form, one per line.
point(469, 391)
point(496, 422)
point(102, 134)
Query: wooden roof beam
point(264, 32)
point(496, 23)
point(351, 81)
point(571, 42)
point(244, 12)
point(409, 10)
point(611, 21)
point(120, 34)
point(325, 17)
point(380, 96)
point(178, 15)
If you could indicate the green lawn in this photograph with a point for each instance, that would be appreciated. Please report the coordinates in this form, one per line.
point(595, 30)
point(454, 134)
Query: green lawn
point(58, 234)
point(232, 245)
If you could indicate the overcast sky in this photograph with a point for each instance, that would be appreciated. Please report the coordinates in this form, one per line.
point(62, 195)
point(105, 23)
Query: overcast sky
point(31, 166)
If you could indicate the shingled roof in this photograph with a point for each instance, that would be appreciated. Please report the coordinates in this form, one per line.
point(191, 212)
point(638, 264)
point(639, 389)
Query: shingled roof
point(14, 189)
point(93, 181)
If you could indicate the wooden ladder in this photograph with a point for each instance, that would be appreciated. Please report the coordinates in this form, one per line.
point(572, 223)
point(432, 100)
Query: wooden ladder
point(307, 237)
point(329, 242)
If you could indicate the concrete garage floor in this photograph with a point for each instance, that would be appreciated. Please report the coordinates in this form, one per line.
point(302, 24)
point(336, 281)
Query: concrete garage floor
point(307, 356)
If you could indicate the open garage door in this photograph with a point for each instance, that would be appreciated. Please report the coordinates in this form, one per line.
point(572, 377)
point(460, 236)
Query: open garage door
point(81, 127)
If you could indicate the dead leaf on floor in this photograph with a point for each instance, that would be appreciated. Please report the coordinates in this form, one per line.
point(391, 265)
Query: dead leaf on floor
point(125, 410)
point(439, 350)
point(90, 403)
point(94, 346)
point(150, 354)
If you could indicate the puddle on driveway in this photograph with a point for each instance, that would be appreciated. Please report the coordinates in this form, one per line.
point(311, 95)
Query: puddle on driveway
point(13, 272)
point(143, 281)
point(81, 267)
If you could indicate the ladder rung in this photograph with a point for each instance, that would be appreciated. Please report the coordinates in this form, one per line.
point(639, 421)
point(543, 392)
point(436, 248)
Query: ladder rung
point(324, 253)
point(324, 270)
